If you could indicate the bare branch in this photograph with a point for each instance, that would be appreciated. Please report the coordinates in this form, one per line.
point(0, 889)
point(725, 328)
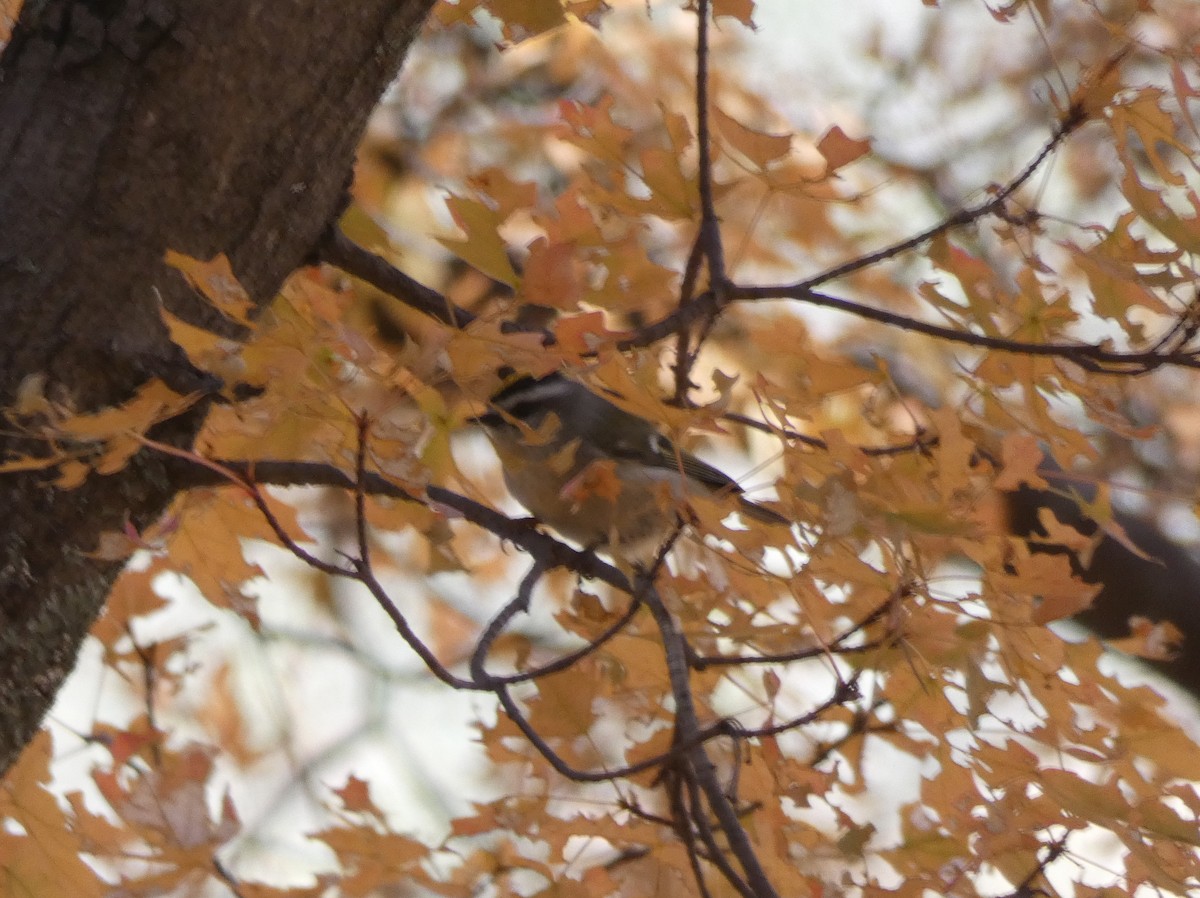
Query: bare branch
point(198, 472)
point(846, 691)
point(1086, 355)
point(701, 827)
point(572, 658)
point(518, 605)
point(1070, 122)
point(340, 251)
point(360, 490)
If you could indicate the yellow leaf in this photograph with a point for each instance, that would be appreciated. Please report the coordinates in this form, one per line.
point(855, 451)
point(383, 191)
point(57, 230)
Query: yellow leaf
point(583, 334)
point(1021, 457)
point(481, 246)
point(153, 402)
point(215, 281)
point(674, 192)
point(1097, 803)
point(1154, 640)
point(41, 855)
point(524, 18)
point(206, 350)
point(742, 10)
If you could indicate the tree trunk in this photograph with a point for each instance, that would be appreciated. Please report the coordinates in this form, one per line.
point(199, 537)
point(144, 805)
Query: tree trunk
point(127, 128)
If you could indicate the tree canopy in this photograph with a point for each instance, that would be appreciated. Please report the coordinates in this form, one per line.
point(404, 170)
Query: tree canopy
point(946, 321)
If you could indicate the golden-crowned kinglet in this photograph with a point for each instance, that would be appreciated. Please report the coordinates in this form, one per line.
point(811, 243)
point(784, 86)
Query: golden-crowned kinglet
point(555, 437)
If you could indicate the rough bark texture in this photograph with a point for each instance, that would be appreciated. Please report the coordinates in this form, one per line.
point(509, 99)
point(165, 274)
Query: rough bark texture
point(127, 128)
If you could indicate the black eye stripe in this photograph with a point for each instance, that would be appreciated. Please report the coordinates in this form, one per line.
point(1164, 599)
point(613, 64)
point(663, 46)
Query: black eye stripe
point(524, 409)
point(491, 419)
point(515, 391)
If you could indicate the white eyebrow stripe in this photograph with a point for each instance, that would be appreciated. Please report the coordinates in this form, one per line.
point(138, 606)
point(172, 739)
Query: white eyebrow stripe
point(537, 392)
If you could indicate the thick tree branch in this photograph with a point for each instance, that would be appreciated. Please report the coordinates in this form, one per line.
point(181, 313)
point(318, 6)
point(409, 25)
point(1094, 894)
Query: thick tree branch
point(699, 764)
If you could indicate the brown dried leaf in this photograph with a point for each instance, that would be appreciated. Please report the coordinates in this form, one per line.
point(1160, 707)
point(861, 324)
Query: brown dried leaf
point(840, 150)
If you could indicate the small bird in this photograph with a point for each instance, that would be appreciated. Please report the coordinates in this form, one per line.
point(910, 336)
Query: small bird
point(594, 472)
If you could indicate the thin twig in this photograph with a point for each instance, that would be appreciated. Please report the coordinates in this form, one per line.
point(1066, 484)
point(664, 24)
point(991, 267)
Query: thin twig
point(226, 876)
point(1071, 121)
point(1025, 888)
point(572, 658)
point(285, 539)
point(921, 441)
point(844, 692)
point(367, 578)
point(519, 604)
point(360, 490)
point(708, 211)
point(701, 662)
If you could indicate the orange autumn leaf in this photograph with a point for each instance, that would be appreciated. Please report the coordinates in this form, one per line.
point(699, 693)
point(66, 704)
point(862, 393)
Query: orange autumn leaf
point(839, 149)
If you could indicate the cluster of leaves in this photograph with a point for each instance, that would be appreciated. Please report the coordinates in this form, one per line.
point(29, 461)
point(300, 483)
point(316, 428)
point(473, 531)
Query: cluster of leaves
point(730, 721)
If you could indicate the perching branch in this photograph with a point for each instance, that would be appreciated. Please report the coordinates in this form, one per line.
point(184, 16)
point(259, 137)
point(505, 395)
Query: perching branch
point(193, 472)
point(688, 756)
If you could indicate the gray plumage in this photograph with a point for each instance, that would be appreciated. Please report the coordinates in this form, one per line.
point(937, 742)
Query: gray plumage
point(541, 468)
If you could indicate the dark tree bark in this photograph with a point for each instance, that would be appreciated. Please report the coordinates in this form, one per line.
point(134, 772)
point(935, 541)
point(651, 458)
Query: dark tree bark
point(127, 128)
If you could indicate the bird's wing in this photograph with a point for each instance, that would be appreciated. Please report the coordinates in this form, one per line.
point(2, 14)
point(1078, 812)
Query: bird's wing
point(659, 452)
